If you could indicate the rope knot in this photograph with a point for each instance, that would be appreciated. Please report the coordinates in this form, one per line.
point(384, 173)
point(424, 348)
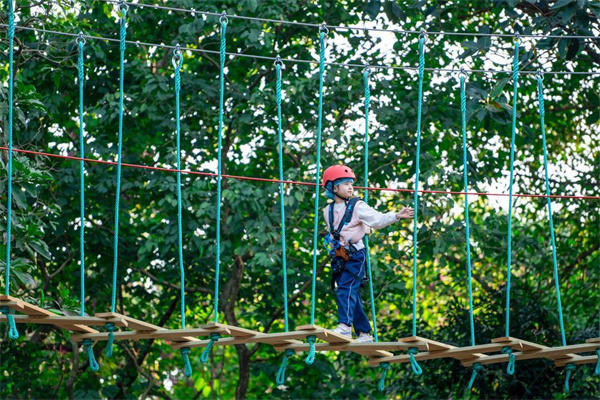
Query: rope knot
point(13, 333)
point(570, 367)
point(88, 343)
point(280, 379)
point(185, 351)
point(385, 367)
point(311, 351)
point(416, 368)
point(477, 367)
point(110, 327)
point(214, 337)
point(510, 368)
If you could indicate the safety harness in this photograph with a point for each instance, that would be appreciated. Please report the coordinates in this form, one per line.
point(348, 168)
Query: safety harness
point(341, 254)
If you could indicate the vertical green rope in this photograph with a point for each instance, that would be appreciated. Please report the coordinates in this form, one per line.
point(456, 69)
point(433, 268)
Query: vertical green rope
point(597, 369)
point(177, 62)
point(88, 343)
point(322, 34)
point(312, 352)
point(280, 378)
point(278, 65)
point(122, 36)
point(80, 43)
point(215, 336)
point(13, 333)
point(477, 367)
point(507, 350)
point(515, 77)
point(412, 351)
point(11, 40)
point(223, 21)
point(310, 359)
point(542, 112)
point(416, 194)
point(385, 367)
point(366, 74)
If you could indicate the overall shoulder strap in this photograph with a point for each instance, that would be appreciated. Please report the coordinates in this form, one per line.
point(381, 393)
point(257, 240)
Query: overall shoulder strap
point(350, 205)
point(331, 217)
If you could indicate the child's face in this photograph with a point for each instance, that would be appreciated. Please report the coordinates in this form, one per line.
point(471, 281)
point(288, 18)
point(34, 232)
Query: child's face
point(344, 189)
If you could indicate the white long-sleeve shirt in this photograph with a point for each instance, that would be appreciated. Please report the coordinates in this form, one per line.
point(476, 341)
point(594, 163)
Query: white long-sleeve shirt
point(363, 219)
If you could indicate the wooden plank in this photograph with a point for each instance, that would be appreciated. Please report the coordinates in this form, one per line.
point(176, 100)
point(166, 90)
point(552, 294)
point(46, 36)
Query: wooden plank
point(577, 361)
point(80, 328)
point(371, 352)
point(308, 327)
point(31, 310)
point(132, 323)
point(167, 334)
point(229, 329)
point(426, 355)
point(525, 355)
point(522, 344)
point(260, 338)
point(556, 352)
point(431, 344)
point(61, 320)
point(593, 340)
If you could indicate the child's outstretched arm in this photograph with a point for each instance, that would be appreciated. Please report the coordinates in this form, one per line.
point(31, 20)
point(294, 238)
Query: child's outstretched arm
point(377, 220)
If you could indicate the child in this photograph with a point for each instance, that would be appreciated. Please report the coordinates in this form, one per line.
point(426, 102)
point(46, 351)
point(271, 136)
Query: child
point(349, 219)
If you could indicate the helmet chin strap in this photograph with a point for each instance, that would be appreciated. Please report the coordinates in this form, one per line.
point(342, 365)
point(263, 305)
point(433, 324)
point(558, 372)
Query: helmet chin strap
point(343, 198)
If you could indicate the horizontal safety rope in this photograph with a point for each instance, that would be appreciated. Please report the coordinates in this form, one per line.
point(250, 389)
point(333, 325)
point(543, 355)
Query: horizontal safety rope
point(300, 183)
point(301, 61)
point(348, 28)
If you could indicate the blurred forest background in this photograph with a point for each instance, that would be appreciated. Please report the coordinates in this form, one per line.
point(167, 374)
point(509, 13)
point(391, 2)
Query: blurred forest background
point(44, 363)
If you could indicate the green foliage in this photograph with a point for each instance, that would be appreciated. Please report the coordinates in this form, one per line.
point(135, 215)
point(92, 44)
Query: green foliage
point(46, 196)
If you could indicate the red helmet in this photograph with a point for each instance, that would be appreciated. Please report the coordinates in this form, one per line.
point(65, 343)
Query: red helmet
point(336, 172)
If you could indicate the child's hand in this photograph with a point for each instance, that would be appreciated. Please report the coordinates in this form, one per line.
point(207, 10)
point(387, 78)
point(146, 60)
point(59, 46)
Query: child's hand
point(406, 212)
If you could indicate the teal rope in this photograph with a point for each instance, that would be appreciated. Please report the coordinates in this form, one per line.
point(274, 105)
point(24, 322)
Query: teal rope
point(280, 379)
point(549, 201)
point(477, 367)
point(13, 333)
point(385, 367)
point(570, 369)
point(281, 194)
point(310, 359)
point(366, 74)
point(185, 353)
point(214, 337)
point(80, 69)
point(110, 327)
point(515, 77)
point(11, 39)
point(463, 108)
point(416, 194)
point(597, 369)
point(90, 352)
point(123, 33)
point(416, 368)
point(219, 177)
point(177, 62)
point(510, 368)
point(317, 180)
